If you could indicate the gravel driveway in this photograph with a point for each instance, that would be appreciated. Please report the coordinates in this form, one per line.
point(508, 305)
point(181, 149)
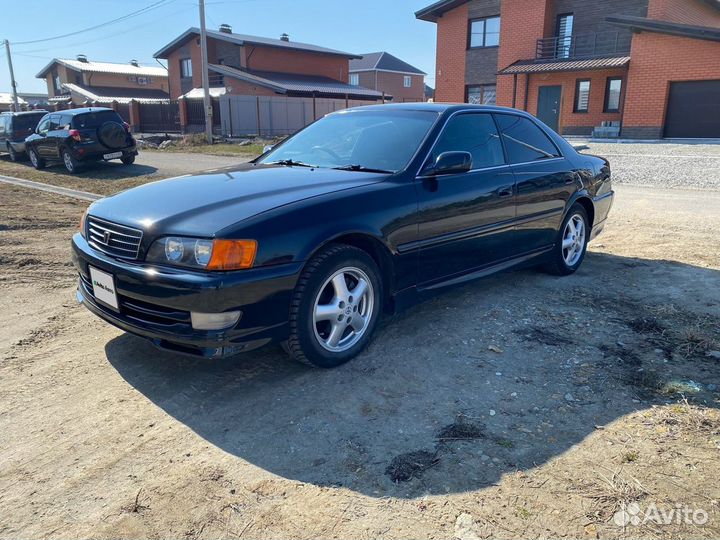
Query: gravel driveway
point(177, 163)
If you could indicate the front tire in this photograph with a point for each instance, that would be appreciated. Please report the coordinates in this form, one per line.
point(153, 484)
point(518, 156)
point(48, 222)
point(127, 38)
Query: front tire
point(71, 164)
point(35, 159)
point(571, 244)
point(335, 307)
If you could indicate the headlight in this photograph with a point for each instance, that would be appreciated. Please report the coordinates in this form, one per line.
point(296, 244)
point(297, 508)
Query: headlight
point(82, 222)
point(202, 253)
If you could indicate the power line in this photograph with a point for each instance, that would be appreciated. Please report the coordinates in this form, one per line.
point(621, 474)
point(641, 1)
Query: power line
point(152, 6)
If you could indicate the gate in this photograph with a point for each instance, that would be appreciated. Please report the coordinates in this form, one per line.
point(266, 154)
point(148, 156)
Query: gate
point(159, 117)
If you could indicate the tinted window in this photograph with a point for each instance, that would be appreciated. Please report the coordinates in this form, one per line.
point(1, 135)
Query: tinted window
point(64, 121)
point(474, 133)
point(524, 140)
point(43, 127)
point(95, 119)
point(27, 121)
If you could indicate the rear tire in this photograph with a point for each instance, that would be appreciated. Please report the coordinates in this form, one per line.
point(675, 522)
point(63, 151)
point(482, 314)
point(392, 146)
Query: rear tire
point(35, 159)
point(127, 160)
point(14, 157)
point(335, 307)
point(571, 244)
point(71, 164)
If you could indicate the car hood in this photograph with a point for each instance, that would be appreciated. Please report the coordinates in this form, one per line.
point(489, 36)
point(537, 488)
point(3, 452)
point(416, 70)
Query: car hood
point(203, 204)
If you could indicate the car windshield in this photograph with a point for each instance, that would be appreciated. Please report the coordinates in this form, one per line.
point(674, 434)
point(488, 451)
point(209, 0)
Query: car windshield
point(376, 140)
point(27, 121)
point(95, 119)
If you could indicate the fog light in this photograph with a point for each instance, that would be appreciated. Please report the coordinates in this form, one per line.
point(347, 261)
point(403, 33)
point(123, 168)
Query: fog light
point(214, 321)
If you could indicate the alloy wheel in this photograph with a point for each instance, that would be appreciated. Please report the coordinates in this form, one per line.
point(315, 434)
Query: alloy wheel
point(573, 240)
point(67, 159)
point(342, 309)
point(33, 158)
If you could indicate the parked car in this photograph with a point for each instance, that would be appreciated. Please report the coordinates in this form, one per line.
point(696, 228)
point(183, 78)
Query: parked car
point(366, 210)
point(14, 127)
point(77, 136)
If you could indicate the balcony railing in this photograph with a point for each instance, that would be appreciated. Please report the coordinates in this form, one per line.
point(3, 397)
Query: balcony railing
point(591, 45)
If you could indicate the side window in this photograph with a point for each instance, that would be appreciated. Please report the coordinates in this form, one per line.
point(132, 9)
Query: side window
point(53, 124)
point(524, 140)
point(64, 121)
point(475, 133)
point(43, 126)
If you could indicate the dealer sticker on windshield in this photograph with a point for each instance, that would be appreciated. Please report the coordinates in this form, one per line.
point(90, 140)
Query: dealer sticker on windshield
point(104, 287)
point(113, 155)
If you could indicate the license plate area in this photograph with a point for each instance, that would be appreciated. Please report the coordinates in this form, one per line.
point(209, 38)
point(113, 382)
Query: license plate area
point(113, 155)
point(104, 288)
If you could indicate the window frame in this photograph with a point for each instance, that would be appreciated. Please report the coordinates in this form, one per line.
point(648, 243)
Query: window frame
point(182, 68)
point(482, 94)
point(559, 152)
point(576, 101)
point(355, 77)
point(407, 81)
point(484, 32)
point(606, 101)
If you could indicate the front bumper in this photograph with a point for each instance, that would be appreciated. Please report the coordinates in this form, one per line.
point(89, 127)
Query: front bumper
point(155, 302)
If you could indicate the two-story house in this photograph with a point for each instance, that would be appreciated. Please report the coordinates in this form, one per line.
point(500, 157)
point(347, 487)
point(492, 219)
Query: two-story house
point(257, 66)
point(650, 67)
point(386, 73)
point(82, 81)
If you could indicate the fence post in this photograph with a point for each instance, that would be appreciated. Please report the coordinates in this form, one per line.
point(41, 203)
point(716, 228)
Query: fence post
point(347, 102)
point(115, 105)
point(134, 113)
point(182, 113)
point(314, 106)
point(257, 113)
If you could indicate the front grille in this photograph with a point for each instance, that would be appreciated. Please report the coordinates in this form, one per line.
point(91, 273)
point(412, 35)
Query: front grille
point(114, 239)
point(144, 312)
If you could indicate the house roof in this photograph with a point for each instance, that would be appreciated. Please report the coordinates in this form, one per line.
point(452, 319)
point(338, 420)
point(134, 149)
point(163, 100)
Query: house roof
point(197, 93)
point(6, 97)
point(665, 27)
point(282, 83)
point(433, 11)
point(383, 61)
point(533, 66)
point(106, 67)
point(242, 39)
point(104, 94)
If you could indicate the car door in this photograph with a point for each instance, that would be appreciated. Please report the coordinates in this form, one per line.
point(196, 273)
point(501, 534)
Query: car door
point(465, 219)
point(57, 133)
point(38, 140)
point(545, 181)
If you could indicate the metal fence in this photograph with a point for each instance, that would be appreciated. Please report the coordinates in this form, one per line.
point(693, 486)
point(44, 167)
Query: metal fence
point(196, 114)
point(274, 115)
point(159, 117)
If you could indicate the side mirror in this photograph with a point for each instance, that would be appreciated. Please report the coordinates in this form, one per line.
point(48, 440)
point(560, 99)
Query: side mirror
point(450, 163)
point(267, 148)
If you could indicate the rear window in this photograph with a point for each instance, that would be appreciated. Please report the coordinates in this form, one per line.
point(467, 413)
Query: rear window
point(27, 121)
point(95, 119)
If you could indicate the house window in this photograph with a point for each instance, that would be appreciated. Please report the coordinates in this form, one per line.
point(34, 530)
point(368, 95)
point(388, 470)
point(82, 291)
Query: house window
point(582, 95)
point(186, 67)
point(483, 94)
point(484, 32)
point(407, 81)
point(612, 94)
point(563, 33)
point(355, 79)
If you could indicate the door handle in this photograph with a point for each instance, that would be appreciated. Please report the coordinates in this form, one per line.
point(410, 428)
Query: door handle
point(506, 191)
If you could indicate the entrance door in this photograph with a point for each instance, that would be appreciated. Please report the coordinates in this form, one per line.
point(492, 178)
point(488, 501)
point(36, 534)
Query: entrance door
point(548, 109)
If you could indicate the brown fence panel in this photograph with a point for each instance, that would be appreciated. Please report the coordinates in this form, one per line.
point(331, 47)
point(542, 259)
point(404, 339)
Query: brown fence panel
point(159, 117)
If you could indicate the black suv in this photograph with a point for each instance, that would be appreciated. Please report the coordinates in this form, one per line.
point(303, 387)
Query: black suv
point(81, 135)
point(14, 127)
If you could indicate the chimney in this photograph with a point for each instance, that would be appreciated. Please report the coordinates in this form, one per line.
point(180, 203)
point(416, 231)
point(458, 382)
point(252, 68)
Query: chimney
point(82, 58)
point(134, 63)
point(225, 29)
point(284, 37)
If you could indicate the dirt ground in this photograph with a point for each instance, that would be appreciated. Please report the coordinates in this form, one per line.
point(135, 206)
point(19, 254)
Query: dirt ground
point(522, 405)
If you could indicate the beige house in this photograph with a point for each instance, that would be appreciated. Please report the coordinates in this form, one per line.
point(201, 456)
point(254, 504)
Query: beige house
point(82, 81)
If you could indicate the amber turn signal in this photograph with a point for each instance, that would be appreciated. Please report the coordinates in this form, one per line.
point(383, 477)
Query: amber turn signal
point(232, 254)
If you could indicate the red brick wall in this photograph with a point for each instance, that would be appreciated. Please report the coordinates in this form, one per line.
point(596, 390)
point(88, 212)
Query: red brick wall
point(242, 88)
point(288, 61)
point(452, 30)
point(684, 11)
point(393, 84)
point(522, 23)
point(657, 60)
point(568, 118)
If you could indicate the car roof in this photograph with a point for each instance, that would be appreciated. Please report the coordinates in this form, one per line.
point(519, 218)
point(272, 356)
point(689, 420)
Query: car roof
point(438, 107)
point(83, 110)
point(26, 113)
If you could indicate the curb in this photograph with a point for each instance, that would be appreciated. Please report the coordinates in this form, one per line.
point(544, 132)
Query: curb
point(67, 192)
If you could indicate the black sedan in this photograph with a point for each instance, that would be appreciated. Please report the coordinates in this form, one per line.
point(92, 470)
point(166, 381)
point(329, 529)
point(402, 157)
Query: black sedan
point(363, 212)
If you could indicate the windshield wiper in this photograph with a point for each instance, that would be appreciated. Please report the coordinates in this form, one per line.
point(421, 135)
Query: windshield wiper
point(362, 168)
point(290, 163)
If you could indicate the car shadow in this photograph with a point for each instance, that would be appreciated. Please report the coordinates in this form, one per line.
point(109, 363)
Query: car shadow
point(109, 170)
point(494, 377)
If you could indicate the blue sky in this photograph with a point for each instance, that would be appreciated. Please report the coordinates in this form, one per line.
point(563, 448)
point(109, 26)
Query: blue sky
point(352, 26)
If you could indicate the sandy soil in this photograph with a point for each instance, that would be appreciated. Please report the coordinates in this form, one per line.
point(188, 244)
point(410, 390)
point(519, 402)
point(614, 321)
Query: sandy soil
point(522, 405)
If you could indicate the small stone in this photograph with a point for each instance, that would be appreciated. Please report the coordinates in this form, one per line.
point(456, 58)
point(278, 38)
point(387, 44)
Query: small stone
point(713, 354)
point(495, 349)
point(498, 373)
point(492, 412)
point(620, 344)
point(569, 397)
point(514, 394)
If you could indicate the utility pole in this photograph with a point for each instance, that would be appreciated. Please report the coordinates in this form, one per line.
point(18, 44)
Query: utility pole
point(204, 65)
point(16, 104)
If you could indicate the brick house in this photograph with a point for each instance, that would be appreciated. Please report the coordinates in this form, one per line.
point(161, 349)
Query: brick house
point(386, 73)
point(646, 68)
point(83, 81)
point(257, 66)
